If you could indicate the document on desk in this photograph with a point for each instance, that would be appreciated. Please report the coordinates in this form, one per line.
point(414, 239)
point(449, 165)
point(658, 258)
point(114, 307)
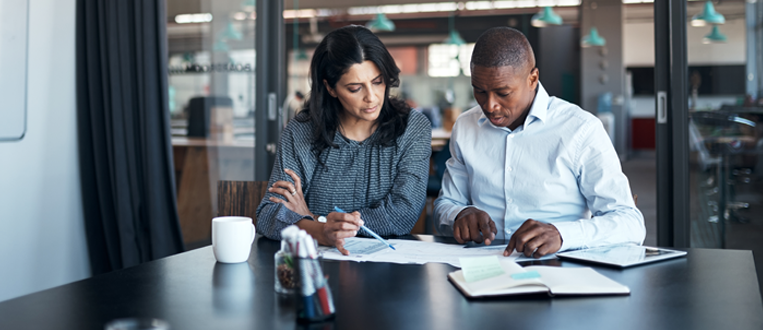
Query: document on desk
point(410, 252)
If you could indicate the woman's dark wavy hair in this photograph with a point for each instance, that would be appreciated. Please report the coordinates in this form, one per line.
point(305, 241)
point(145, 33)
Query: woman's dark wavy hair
point(339, 50)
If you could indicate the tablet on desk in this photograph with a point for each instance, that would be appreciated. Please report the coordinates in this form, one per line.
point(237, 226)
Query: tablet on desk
point(621, 255)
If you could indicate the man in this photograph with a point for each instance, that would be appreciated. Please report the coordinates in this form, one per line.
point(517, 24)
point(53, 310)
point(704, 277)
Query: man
point(529, 167)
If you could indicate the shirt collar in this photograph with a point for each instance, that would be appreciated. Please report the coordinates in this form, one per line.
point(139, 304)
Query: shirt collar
point(539, 109)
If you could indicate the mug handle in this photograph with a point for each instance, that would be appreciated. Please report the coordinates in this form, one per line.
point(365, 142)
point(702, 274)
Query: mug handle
point(254, 233)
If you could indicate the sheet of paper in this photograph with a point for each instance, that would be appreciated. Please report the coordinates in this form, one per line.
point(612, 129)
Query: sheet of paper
point(519, 257)
point(480, 268)
point(364, 247)
point(409, 251)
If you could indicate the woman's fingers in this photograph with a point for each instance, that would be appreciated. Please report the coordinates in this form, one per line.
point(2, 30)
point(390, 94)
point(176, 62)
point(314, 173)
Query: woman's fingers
point(353, 218)
point(340, 246)
point(295, 177)
point(283, 192)
point(288, 186)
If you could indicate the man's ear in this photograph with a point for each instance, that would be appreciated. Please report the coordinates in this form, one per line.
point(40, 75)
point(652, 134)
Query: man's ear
point(532, 79)
point(331, 91)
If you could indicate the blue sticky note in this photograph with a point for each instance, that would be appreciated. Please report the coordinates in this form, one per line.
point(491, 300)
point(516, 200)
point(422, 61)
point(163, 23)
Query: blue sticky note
point(525, 276)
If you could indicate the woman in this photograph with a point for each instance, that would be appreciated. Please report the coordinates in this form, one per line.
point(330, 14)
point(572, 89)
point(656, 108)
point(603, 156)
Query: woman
point(353, 147)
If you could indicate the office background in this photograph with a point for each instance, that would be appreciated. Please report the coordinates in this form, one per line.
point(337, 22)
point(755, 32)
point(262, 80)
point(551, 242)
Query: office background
point(43, 241)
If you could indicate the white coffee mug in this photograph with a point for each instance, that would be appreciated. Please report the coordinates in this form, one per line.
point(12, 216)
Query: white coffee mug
point(232, 238)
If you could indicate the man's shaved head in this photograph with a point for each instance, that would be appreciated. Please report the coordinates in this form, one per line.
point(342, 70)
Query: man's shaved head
point(503, 46)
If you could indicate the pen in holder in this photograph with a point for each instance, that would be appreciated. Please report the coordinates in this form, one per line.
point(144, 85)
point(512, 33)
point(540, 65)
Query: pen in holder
point(314, 301)
point(298, 270)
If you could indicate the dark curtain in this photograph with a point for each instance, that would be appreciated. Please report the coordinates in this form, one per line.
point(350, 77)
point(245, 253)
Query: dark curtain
point(124, 133)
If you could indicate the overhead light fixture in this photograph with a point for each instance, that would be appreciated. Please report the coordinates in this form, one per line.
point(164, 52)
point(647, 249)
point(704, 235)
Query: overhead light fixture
point(708, 16)
point(220, 46)
point(248, 4)
point(300, 54)
point(454, 38)
point(592, 39)
point(715, 36)
point(380, 23)
point(240, 16)
point(545, 18)
point(193, 18)
point(230, 33)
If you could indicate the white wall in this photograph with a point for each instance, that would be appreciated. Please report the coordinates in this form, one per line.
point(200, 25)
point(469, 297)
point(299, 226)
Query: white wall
point(42, 240)
point(638, 46)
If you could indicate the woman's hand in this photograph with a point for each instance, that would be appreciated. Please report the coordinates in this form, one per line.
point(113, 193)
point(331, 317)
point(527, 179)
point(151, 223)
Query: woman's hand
point(295, 199)
point(339, 226)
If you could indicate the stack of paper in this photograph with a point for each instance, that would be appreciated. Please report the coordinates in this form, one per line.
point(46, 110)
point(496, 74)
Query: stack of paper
point(414, 252)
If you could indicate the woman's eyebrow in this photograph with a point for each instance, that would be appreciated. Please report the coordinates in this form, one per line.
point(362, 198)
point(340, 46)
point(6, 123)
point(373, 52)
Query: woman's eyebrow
point(357, 83)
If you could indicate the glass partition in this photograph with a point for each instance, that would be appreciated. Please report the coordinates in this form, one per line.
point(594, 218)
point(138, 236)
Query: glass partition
point(212, 95)
point(725, 124)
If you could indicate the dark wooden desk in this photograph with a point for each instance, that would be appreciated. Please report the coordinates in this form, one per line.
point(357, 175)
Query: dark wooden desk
point(710, 289)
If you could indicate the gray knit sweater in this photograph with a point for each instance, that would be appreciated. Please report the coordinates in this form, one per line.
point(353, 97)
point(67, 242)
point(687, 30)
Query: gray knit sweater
point(387, 185)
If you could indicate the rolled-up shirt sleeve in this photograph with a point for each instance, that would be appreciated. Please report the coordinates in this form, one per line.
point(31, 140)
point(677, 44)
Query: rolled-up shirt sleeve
point(616, 219)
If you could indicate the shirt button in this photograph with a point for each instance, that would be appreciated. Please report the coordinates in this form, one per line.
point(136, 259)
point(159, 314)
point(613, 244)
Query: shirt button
point(511, 136)
point(508, 168)
point(510, 200)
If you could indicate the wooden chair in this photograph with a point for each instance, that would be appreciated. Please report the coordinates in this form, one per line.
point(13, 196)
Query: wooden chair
point(240, 198)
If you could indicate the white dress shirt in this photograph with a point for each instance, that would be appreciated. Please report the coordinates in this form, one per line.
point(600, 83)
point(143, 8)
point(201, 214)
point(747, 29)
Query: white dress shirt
point(554, 168)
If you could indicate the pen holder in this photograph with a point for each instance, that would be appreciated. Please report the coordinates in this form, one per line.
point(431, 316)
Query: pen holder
point(314, 301)
point(285, 273)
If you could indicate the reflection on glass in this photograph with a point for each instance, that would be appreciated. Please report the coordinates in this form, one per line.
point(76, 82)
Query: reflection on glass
point(211, 90)
point(726, 125)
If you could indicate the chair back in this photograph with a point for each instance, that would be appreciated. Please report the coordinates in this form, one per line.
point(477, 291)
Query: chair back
point(240, 198)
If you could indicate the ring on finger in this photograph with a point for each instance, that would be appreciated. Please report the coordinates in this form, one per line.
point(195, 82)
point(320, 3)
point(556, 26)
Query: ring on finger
point(293, 192)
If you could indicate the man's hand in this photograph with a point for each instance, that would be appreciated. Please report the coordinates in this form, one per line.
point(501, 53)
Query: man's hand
point(473, 224)
point(535, 239)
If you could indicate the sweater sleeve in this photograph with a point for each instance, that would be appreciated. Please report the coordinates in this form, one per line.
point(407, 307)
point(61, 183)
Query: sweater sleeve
point(293, 152)
point(397, 213)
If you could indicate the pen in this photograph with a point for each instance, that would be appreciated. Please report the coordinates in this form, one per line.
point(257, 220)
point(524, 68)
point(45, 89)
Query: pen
point(368, 231)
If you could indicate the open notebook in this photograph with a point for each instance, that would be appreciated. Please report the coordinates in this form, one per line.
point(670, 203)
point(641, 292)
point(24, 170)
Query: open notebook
point(539, 279)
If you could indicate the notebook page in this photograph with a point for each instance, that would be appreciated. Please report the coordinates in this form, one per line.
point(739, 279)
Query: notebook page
point(567, 280)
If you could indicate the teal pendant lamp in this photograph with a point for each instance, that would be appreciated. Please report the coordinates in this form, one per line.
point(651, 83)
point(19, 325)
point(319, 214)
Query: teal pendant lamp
point(381, 23)
point(708, 16)
point(592, 39)
point(454, 38)
point(248, 5)
point(220, 46)
point(230, 33)
point(545, 18)
point(715, 36)
point(299, 53)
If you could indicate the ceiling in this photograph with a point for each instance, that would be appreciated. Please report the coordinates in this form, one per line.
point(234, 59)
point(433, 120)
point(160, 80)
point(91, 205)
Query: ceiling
point(730, 8)
point(416, 28)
